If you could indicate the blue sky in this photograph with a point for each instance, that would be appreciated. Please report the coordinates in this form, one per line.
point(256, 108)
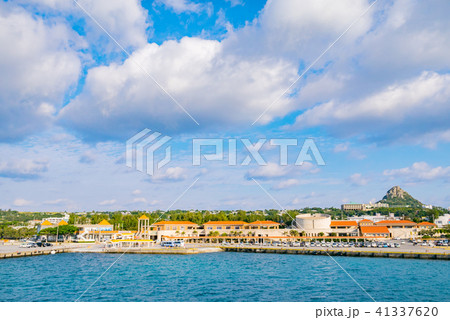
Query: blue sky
point(377, 103)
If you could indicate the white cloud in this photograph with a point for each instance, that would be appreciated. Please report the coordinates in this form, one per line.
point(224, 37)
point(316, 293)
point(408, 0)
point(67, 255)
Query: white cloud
point(22, 202)
point(108, 202)
point(179, 6)
point(127, 21)
point(286, 184)
point(358, 179)
point(139, 200)
point(418, 172)
point(57, 202)
point(136, 192)
point(88, 157)
point(171, 174)
point(269, 171)
point(417, 103)
point(38, 64)
point(341, 147)
point(23, 168)
point(218, 89)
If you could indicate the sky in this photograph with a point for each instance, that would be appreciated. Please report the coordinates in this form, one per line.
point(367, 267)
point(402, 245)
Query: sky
point(368, 82)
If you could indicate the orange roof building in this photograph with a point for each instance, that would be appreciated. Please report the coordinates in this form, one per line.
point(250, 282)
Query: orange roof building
point(343, 224)
point(397, 223)
point(174, 225)
point(263, 225)
point(426, 225)
point(375, 231)
point(366, 222)
point(224, 225)
point(143, 217)
point(104, 223)
point(46, 223)
point(62, 223)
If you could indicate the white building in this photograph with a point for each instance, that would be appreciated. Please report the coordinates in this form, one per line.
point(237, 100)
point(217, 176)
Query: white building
point(313, 224)
point(442, 220)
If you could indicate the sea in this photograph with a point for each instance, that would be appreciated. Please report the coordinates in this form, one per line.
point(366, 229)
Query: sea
point(224, 276)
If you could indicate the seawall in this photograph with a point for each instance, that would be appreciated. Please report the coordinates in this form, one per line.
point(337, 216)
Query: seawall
point(21, 254)
point(345, 253)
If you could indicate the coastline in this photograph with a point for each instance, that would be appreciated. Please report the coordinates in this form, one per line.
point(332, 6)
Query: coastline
point(430, 254)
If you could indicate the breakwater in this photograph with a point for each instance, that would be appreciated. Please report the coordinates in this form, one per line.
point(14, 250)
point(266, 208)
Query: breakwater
point(21, 254)
point(347, 253)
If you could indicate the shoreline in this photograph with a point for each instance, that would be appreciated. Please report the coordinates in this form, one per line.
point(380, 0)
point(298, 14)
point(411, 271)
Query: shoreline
point(424, 255)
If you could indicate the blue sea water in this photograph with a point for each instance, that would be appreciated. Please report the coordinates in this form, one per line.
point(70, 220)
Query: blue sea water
point(225, 276)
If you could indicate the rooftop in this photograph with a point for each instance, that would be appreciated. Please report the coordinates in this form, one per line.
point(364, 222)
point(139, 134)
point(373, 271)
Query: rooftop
point(343, 223)
point(374, 229)
point(396, 222)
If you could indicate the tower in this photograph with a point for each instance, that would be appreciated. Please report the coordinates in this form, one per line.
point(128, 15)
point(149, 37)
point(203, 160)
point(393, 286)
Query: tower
point(143, 227)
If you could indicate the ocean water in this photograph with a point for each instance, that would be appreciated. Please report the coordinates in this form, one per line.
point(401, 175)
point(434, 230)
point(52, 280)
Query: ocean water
point(227, 276)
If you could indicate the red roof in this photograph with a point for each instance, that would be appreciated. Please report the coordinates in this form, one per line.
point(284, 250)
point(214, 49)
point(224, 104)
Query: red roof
point(343, 223)
point(396, 222)
point(366, 220)
point(375, 229)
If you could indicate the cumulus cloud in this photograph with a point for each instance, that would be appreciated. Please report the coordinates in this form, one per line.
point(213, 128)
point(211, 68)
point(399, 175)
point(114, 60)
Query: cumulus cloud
point(274, 171)
point(22, 202)
point(216, 88)
point(171, 174)
point(23, 169)
point(341, 147)
point(417, 103)
point(180, 6)
point(39, 64)
point(286, 184)
point(419, 172)
point(108, 202)
point(139, 200)
point(58, 202)
point(126, 21)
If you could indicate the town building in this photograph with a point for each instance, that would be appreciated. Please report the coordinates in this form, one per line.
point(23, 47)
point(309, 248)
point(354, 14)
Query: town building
point(403, 229)
point(375, 231)
point(442, 221)
point(342, 228)
point(426, 226)
point(363, 206)
point(314, 224)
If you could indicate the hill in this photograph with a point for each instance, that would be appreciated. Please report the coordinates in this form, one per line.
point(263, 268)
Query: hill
point(396, 196)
